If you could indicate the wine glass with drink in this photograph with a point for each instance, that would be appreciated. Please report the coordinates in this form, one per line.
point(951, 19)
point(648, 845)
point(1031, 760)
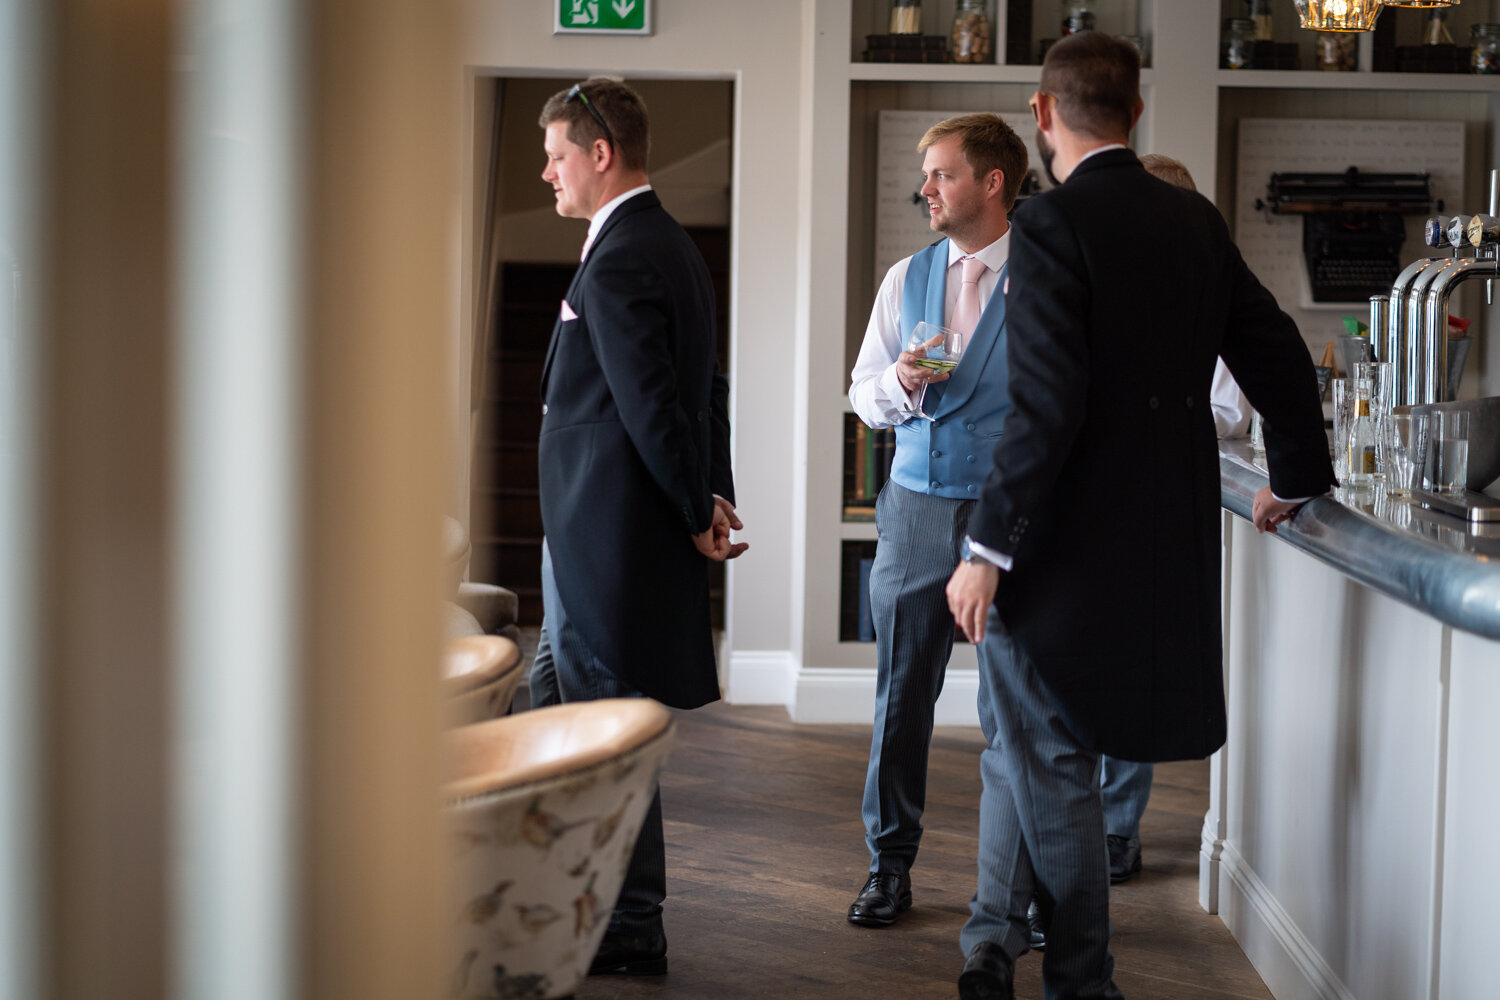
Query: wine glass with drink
point(938, 349)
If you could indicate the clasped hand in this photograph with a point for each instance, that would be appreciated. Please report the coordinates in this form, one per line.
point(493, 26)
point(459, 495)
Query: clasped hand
point(714, 542)
point(913, 376)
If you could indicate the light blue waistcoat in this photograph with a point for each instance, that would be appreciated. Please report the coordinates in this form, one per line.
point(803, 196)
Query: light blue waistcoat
point(951, 455)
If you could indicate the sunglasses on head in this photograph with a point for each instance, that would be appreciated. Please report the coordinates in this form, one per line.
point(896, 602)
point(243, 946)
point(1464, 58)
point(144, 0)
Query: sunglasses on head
point(577, 92)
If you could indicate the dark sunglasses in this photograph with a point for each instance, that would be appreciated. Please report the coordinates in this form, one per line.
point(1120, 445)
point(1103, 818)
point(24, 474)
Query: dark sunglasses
point(577, 91)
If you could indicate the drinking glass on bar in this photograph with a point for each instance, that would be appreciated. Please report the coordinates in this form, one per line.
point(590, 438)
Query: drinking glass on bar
point(1448, 461)
point(1403, 439)
point(1343, 416)
point(1383, 394)
point(1382, 378)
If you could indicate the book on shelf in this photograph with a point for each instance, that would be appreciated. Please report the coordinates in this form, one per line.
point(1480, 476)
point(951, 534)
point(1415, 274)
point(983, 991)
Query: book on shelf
point(867, 465)
point(866, 619)
point(856, 623)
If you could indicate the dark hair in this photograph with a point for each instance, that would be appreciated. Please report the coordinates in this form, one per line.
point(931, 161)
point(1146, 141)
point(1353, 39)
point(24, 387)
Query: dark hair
point(621, 108)
point(988, 144)
point(1096, 80)
point(1167, 169)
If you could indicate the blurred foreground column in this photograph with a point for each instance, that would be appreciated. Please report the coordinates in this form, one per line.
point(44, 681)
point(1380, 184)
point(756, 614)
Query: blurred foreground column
point(223, 480)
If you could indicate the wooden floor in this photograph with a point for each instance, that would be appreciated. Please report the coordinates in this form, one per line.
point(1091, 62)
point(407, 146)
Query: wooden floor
point(765, 850)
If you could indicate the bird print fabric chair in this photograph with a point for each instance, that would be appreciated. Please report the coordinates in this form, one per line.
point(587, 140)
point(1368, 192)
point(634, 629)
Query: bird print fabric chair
point(543, 809)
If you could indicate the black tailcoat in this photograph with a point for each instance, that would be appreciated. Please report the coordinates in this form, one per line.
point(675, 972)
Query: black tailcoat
point(1123, 291)
point(634, 443)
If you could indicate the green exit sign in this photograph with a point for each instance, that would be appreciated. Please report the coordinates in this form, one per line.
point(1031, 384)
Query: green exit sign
point(603, 17)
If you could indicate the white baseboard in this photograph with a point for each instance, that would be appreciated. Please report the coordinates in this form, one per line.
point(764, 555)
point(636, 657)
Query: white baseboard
point(1286, 960)
point(761, 677)
point(835, 694)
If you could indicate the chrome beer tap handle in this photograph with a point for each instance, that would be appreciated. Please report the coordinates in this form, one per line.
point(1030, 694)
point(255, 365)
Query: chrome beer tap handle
point(1483, 230)
point(1435, 232)
point(1458, 235)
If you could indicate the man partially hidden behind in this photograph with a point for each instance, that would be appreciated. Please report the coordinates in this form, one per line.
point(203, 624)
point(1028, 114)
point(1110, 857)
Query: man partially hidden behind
point(636, 489)
point(972, 169)
point(1092, 577)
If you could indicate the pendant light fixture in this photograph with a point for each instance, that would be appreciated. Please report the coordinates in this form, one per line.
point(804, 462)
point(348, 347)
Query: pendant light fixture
point(1339, 15)
point(1422, 3)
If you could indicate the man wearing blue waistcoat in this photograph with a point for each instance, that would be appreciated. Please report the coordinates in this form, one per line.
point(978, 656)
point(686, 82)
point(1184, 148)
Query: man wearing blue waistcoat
point(972, 169)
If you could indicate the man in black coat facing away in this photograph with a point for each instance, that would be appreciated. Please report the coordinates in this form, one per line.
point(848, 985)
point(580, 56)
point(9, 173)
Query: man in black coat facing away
point(636, 488)
point(1092, 563)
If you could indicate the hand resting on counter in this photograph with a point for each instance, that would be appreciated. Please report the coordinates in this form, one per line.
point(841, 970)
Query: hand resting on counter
point(1266, 512)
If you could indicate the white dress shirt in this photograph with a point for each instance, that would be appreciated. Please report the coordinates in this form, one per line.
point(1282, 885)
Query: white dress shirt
point(1231, 412)
point(875, 392)
point(602, 216)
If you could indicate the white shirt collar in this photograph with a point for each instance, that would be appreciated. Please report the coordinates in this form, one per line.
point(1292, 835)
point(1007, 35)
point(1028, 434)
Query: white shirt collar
point(994, 256)
point(1101, 149)
point(602, 216)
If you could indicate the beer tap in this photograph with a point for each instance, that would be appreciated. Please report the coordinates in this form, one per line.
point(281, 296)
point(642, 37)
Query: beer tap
point(1415, 376)
point(1435, 356)
point(1389, 315)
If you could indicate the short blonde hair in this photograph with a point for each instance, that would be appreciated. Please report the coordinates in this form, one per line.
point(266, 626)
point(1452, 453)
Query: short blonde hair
point(1167, 169)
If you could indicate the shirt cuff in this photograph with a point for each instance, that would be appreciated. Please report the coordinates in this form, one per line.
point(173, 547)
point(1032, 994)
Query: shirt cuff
point(989, 555)
point(890, 383)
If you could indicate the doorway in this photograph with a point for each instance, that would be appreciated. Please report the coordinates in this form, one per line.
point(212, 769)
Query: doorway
point(534, 255)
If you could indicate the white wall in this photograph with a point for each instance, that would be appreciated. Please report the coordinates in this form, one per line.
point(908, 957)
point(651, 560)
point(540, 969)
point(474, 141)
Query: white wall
point(756, 45)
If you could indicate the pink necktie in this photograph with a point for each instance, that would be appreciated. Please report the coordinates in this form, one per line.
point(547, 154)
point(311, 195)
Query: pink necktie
point(966, 310)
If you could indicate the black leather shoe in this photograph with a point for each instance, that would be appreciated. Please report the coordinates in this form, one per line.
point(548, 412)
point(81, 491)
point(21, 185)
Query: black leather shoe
point(881, 901)
point(631, 955)
point(987, 974)
point(1037, 925)
point(1124, 857)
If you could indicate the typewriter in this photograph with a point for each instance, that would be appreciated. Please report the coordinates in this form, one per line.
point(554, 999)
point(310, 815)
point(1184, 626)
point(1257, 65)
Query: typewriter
point(1352, 256)
point(1352, 229)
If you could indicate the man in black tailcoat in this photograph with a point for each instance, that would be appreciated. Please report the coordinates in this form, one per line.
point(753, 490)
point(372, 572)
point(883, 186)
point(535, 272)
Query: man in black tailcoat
point(636, 490)
point(1092, 564)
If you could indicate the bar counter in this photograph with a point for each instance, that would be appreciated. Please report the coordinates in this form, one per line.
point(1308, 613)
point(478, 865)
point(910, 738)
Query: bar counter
point(1432, 561)
point(1350, 841)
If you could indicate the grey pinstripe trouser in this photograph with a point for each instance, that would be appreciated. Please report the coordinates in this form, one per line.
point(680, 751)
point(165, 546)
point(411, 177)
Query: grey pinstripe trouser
point(917, 553)
point(1041, 829)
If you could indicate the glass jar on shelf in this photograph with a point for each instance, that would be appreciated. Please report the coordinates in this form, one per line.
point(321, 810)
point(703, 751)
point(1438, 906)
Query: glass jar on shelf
point(906, 17)
point(971, 39)
point(1484, 51)
point(1338, 51)
point(1237, 43)
point(1078, 15)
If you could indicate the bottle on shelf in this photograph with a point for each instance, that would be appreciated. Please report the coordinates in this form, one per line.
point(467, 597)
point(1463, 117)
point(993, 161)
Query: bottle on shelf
point(1484, 48)
point(972, 38)
point(1078, 15)
point(1260, 13)
point(1237, 43)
